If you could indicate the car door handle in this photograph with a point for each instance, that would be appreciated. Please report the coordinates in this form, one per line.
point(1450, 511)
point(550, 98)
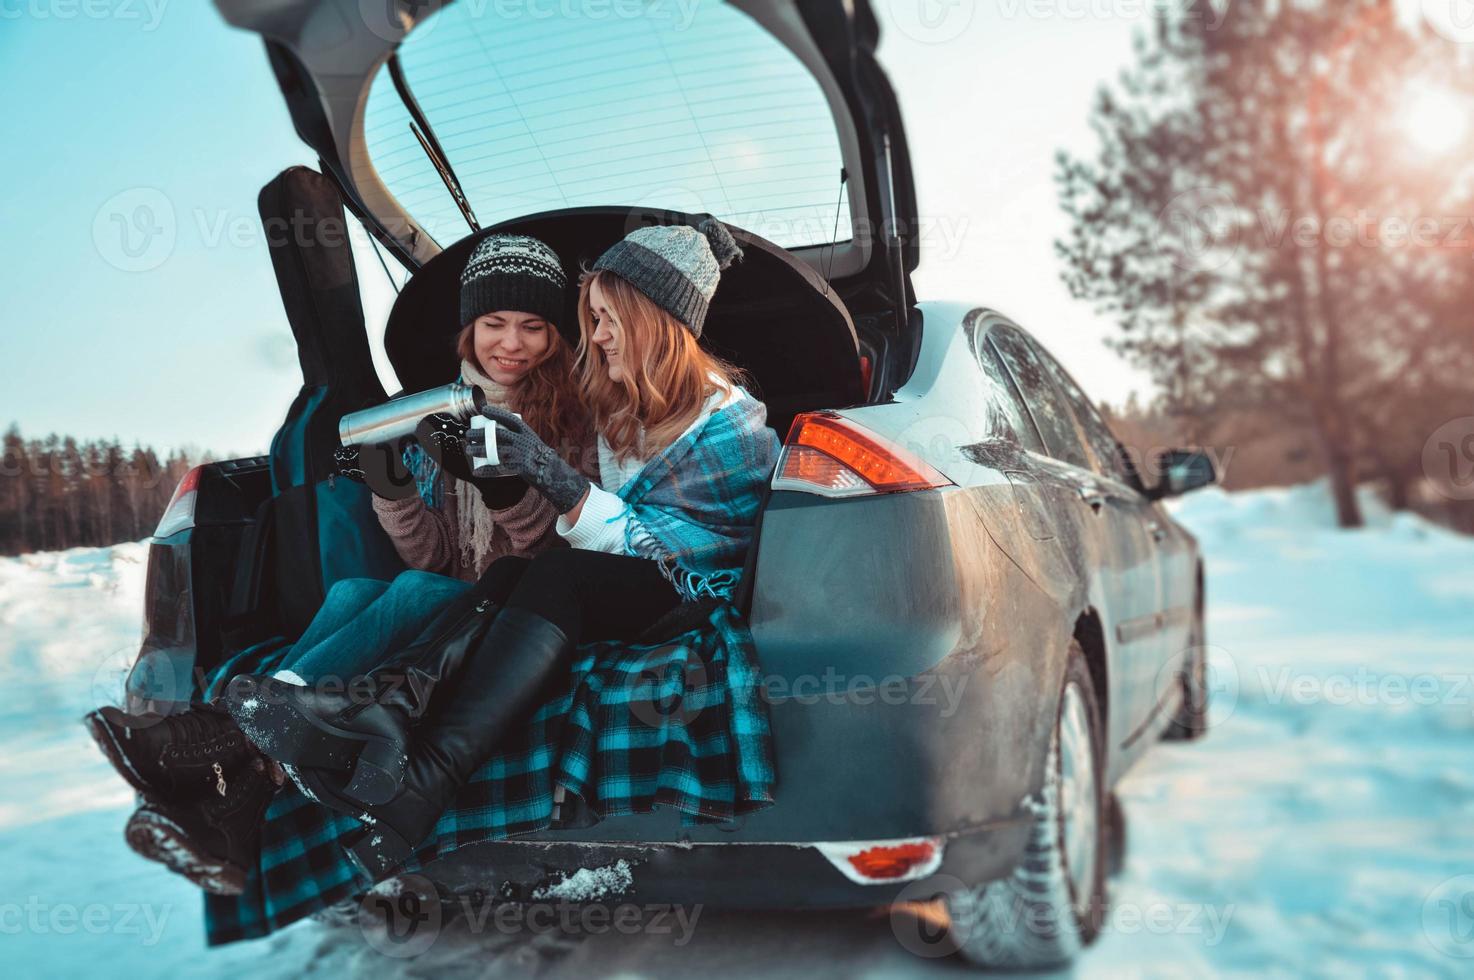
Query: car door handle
point(1093, 496)
point(1159, 533)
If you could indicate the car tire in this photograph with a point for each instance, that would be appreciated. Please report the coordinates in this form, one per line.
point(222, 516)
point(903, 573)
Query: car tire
point(1190, 723)
point(1116, 835)
point(1052, 905)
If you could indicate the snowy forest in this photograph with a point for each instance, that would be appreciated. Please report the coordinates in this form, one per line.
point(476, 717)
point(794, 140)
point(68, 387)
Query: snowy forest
point(59, 493)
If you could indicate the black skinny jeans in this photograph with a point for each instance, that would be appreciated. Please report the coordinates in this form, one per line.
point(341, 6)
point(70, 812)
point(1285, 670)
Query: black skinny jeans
point(589, 595)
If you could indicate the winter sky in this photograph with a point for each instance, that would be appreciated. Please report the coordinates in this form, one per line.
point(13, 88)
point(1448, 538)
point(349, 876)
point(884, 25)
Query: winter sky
point(112, 99)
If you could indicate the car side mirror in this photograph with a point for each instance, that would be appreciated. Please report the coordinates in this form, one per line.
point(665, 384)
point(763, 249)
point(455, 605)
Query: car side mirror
point(1183, 470)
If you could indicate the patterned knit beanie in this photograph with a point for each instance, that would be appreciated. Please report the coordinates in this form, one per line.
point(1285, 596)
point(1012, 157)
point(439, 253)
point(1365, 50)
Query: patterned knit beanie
point(677, 266)
point(516, 273)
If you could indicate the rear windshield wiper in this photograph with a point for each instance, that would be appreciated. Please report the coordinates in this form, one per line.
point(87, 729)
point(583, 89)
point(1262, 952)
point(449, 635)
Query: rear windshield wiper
point(420, 126)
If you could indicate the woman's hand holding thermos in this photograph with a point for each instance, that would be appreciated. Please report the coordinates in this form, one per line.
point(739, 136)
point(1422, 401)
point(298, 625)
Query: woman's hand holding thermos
point(444, 436)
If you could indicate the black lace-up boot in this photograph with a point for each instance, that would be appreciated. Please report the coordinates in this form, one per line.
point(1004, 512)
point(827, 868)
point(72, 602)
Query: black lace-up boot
point(171, 757)
point(212, 840)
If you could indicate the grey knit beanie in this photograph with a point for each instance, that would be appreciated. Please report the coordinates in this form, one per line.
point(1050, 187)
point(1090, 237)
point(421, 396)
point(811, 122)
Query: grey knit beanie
point(677, 266)
point(515, 272)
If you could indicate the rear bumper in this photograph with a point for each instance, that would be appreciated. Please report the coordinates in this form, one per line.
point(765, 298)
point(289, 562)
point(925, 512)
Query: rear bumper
point(899, 710)
point(719, 875)
point(935, 766)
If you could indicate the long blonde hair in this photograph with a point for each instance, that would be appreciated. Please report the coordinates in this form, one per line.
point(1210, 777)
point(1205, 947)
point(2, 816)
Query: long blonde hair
point(670, 377)
point(547, 398)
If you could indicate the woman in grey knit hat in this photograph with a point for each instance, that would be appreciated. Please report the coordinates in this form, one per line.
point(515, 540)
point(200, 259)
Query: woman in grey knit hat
point(684, 453)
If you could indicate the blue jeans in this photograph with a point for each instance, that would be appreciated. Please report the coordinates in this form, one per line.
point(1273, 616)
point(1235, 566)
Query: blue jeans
point(363, 621)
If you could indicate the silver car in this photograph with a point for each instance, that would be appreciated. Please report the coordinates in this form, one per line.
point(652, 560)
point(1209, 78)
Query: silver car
point(972, 611)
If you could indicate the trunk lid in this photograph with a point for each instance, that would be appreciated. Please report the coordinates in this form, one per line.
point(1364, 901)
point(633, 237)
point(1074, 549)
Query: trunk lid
point(772, 114)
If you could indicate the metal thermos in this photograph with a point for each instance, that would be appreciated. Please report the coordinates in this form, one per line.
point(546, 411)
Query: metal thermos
point(398, 417)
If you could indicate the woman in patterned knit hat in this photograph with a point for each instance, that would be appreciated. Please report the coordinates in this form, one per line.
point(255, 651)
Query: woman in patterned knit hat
point(204, 781)
point(684, 453)
point(516, 345)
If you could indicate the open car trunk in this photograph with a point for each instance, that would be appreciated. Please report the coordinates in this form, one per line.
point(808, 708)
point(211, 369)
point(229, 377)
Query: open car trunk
point(772, 315)
point(826, 325)
point(454, 70)
point(268, 536)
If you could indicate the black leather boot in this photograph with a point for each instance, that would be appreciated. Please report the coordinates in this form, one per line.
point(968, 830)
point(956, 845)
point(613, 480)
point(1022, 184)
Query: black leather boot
point(365, 723)
point(507, 676)
point(170, 757)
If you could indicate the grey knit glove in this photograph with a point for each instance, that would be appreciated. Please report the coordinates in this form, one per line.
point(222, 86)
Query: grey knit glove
point(521, 450)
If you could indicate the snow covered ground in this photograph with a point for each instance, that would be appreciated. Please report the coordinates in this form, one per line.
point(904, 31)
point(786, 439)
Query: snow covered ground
point(1323, 827)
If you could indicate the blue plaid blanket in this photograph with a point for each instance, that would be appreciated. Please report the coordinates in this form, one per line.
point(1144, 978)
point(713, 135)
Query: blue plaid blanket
point(693, 505)
point(681, 723)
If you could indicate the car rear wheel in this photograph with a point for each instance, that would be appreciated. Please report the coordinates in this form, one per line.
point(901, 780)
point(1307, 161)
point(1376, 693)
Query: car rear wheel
point(1051, 906)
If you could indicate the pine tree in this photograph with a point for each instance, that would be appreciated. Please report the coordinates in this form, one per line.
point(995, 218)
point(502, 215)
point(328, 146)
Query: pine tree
point(1234, 222)
point(60, 493)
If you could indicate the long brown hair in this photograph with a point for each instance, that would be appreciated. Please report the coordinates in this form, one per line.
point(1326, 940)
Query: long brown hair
point(666, 379)
point(547, 398)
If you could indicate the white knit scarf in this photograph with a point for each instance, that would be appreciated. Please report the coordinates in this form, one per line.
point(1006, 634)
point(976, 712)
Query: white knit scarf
point(475, 524)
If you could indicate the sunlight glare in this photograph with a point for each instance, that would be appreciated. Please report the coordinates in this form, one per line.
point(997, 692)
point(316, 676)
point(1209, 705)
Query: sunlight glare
point(1434, 121)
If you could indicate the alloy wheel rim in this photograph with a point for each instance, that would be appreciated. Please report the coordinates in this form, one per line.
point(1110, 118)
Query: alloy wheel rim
point(1077, 792)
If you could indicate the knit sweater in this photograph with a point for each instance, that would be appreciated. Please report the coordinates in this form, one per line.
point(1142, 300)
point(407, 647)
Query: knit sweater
point(428, 538)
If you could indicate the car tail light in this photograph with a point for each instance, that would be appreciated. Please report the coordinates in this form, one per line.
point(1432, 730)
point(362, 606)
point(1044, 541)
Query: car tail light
point(834, 457)
point(876, 862)
point(180, 512)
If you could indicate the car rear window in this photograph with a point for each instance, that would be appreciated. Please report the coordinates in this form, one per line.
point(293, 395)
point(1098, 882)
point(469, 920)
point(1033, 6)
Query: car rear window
point(1046, 404)
point(1006, 414)
point(1110, 460)
point(692, 108)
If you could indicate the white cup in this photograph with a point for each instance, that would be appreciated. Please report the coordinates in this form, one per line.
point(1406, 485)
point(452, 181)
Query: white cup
point(490, 464)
